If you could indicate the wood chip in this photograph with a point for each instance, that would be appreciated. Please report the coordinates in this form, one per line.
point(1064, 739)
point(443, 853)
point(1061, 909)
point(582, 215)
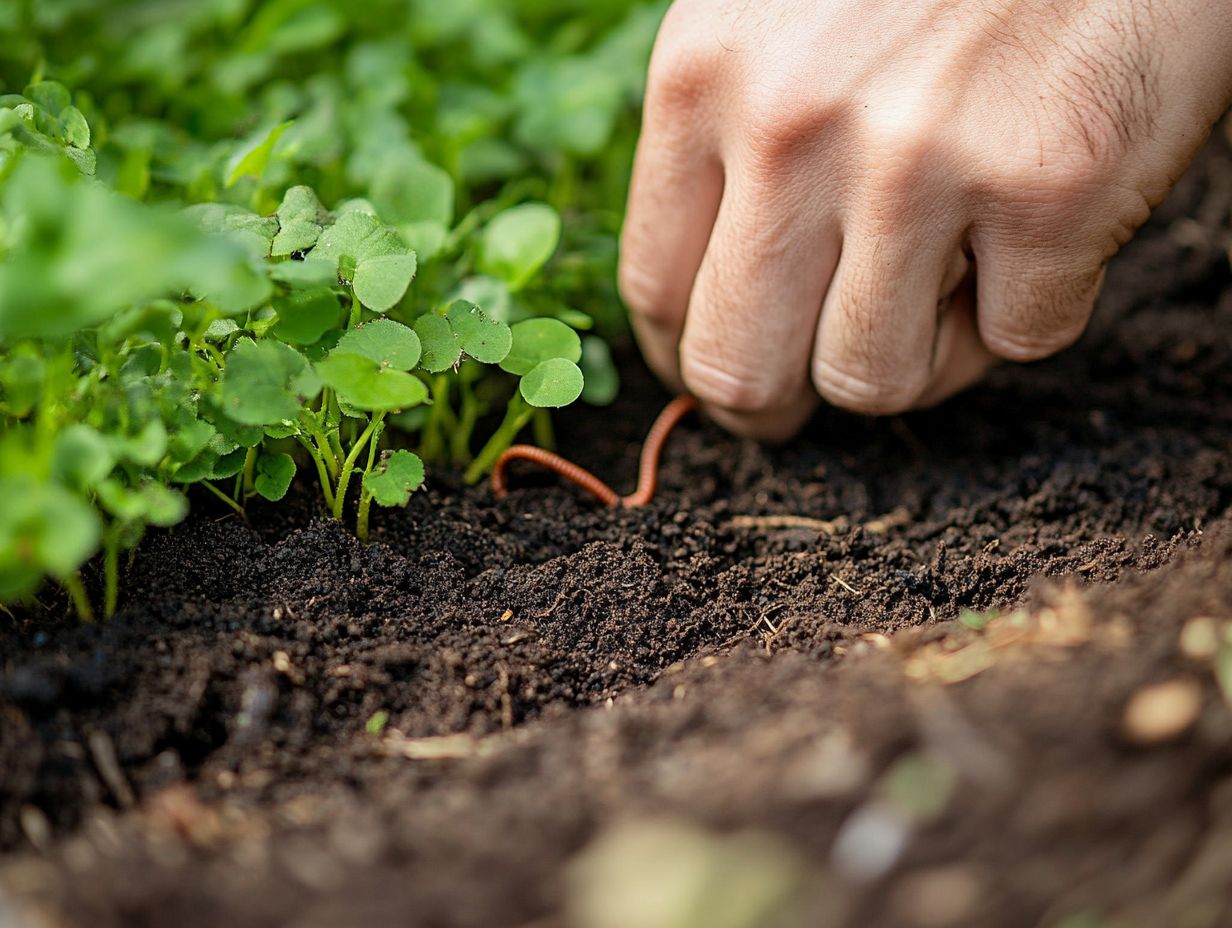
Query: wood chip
point(442, 747)
point(35, 827)
point(900, 516)
point(786, 523)
point(102, 752)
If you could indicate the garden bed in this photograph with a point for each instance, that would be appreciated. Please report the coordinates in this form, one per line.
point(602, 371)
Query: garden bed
point(499, 713)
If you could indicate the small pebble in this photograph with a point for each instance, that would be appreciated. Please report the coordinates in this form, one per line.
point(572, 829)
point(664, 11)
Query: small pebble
point(1200, 639)
point(1162, 712)
point(870, 843)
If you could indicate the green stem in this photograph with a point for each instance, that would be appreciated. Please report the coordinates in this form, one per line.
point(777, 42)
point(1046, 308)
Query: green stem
point(348, 466)
point(323, 450)
point(432, 445)
point(516, 416)
point(460, 438)
point(545, 435)
point(224, 497)
point(323, 474)
point(111, 572)
point(77, 592)
point(250, 472)
point(357, 312)
point(365, 498)
point(333, 414)
point(333, 432)
point(361, 524)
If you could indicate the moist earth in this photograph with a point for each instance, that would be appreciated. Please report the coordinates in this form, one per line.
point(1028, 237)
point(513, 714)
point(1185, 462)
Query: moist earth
point(961, 667)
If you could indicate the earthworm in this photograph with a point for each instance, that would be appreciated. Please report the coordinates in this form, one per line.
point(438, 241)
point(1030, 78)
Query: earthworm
point(648, 469)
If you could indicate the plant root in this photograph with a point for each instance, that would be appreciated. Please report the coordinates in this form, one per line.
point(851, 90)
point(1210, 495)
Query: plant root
point(648, 468)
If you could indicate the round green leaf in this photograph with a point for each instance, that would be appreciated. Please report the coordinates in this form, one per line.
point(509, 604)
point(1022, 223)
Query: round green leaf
point(274, 475)
point(220, 330)
point(21, 379)
point(537, 340)
point(151, 503)
point(388, 343)
point(50, 95)
point(482, 337)
point(552, 384)
point(144, 449)
point(301, 204)
point(408, 189)
point(400, 475)
point(304, 316)
point(299, 222)
point(76, 129)
point(200, 468)
point(44, 529)
point(82, 457)
point(294, 235)
point(228, 464)
point(364, 384)
point(359, 236)
point(518, 242)
point(266, 383)
point(492, 293)
point(189, 436)
point(304, 275)
point(163, 506)
point(381, 282)
point(440, 346)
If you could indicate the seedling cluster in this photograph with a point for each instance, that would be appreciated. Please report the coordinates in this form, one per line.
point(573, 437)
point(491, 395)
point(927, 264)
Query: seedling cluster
point(244, 243)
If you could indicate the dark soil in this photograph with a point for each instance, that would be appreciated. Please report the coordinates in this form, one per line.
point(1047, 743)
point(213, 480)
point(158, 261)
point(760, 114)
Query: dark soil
point(256, 739)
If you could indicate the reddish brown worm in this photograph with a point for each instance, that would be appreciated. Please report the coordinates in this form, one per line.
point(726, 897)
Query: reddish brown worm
point(648, 469)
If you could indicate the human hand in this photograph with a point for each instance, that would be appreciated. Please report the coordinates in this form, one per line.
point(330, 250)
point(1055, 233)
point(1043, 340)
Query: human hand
point(874, 201)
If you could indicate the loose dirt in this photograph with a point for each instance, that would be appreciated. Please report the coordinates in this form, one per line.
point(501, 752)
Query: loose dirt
point(499, 713)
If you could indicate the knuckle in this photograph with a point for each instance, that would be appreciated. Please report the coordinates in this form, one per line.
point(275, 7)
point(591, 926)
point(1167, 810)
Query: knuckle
point(1022, 343)
point(677, 84)
point(727, 387)
point(865, 391)
point(900, 149)
point(682, 71)
point(1050, 194)
point(781, 118)
point(1039, 317)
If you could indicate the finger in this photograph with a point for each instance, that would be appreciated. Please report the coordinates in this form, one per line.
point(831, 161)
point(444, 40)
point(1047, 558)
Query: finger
point(1033, 303)
point(960, 358)
point(873, 350)
point(674, 197)
point(747, 339)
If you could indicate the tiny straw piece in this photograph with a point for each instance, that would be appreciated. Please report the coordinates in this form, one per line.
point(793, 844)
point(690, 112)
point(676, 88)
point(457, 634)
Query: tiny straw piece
point(648, 469)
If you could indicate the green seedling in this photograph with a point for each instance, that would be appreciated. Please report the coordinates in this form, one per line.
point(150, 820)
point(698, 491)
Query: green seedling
point(976, 621)
point(377, 722)
point(305, 253)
